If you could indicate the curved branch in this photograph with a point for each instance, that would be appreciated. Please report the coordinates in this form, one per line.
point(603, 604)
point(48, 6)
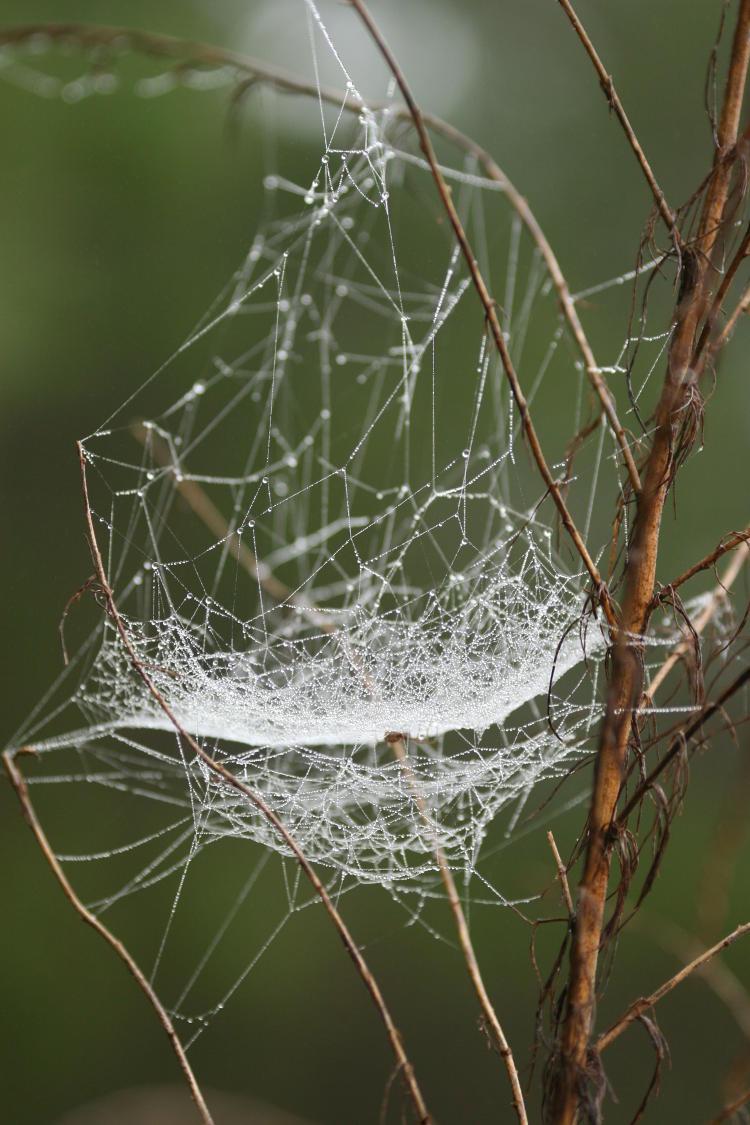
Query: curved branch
point(638, 1007)
point(607, 86)
point(227, 776)
point(719, 593)
point(735, 539)
point(19, 784)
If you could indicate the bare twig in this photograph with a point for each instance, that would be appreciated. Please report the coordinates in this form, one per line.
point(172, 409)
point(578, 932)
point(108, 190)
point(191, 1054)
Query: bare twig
point(718, 301)
point(717, 975)
point(735, 539)
point(399, 749)
point(229, 778)
point(730, 1110)
point(490, 310)
point(638, 1007)
point(719, 594)
point(607, 85)
point(742, 307)
point(19, 784)
point(562, 875)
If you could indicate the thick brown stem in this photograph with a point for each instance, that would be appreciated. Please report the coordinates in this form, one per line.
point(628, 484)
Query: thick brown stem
point(626, 684)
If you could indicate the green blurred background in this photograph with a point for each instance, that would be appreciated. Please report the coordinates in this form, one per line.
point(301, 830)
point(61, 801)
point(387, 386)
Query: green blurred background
point(120, 219)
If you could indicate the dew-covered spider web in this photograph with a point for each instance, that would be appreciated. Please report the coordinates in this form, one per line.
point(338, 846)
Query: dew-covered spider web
point(324, 532)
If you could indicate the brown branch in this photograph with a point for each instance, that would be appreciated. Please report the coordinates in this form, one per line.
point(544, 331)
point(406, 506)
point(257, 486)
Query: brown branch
point(718, 301)
point(230, 779)
point(607, 85)
point(735, 539)
point(719, 594)
point(729, 1110)
point(638, 1007)
point(742, 306)
point(723, 982)
point(399, 749)
point(669, 442)
point(19, 784)
point(490, 310)
point(122, 38)
point(562, 875)
point(711, 219)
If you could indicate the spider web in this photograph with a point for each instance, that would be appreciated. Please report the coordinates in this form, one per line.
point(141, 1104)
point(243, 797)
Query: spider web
point(323, 532)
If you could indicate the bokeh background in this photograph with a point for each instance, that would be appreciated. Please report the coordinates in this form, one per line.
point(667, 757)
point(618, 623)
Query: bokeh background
point(120, 219)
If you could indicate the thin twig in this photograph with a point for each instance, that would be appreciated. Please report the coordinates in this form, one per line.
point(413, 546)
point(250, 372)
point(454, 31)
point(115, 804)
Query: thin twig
point(718, 301)
point(729, 1110)
point(718, 595)
point(742, 307)
point(723, 982)
point(19, 784)
point(227, 776)
point(607, 85)
point(490, 310)
point(735, 539)
point(399, 750)
point(562, 875)
point(123, 38)
point(638, 1007)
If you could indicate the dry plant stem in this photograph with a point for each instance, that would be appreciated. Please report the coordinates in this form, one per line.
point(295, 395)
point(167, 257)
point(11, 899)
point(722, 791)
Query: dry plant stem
point(399, 750)
point(718, 300)
point(734, 540)
point(730, 1110)
point(19, 784)
point(638, 1007)
point(718, 595)
point(117, 38)
point(562, 875)
point(608, 87)
point(741, 308)
point(490, 310)
point(626, 680)
point(717, 975)
point(221, 771)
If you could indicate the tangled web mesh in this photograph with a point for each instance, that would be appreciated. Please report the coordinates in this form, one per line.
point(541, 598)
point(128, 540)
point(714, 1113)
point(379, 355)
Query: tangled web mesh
point(323, 532)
